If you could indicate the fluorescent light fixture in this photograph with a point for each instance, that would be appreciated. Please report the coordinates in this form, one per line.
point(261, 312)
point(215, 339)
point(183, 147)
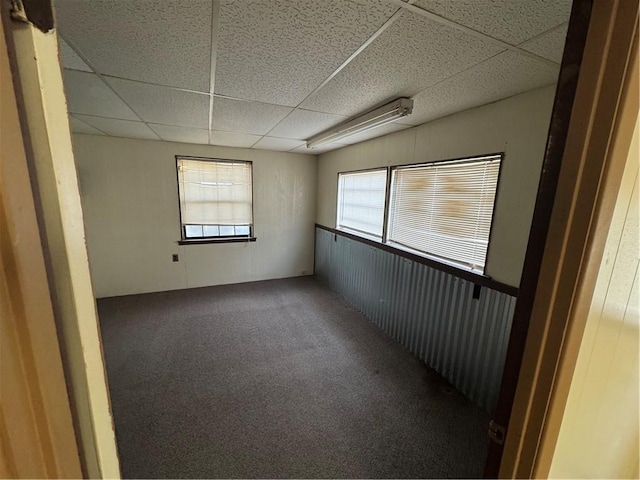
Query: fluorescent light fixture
point(368, 121)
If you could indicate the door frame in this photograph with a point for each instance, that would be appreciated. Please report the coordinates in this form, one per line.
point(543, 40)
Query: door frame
point(579, 181)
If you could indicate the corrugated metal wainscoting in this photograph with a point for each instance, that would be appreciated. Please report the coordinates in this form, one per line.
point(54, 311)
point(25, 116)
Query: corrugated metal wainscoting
point(430, 312)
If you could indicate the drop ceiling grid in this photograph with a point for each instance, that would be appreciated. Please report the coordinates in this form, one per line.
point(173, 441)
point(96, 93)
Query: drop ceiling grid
point(411, 55)
point(328, 9)
point(547, 19)
point(502, 76)
point(510, 21)
point(269, 43)
point(538, 45)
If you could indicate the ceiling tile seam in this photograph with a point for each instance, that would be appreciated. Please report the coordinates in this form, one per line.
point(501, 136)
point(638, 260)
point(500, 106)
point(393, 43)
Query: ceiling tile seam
point(213, 57)
point(74, 69)
point(420, 92)
point(88, 124)
point(149, 124)
point(463, 28)
point(540, 35)
point(254, 143)
point(143, 82)
point(135, 121)
point(390, 21)
point(100, 77)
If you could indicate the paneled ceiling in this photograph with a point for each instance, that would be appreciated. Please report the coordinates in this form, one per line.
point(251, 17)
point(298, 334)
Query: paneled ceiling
point(269, 74)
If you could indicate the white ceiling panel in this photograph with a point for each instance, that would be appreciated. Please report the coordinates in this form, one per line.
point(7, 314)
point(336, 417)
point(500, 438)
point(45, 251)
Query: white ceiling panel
point(505, 75)
point(278, 51)
point(512, 21)
point(164, 105)
point(302, 124)
point(230, 139)
point(70, 59)
point(170, 133)
point(376, 132)
point(280, 144)
point(87, 94)
point(78, 126)
point(411, 55)
point(318, 150)
point(119, 128)
point(166, 42)
point(246, 117)
point(549, 45)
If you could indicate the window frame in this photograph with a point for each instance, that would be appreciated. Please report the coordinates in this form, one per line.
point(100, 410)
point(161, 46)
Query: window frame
point(184, 240)
point(399, 248)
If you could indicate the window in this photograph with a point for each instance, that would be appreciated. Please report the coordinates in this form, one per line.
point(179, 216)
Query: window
point(445, 208)
point(441, 209)
point(361, 201)
point(215, 199)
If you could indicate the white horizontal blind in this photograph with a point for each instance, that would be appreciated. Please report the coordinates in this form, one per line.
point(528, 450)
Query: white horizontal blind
point(215, 192)
point(361, 197)
point(445, 209)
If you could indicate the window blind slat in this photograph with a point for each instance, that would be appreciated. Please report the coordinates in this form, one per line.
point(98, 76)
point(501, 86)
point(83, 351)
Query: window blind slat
point(445, 209)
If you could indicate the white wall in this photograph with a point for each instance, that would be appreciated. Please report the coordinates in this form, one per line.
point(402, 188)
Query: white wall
point(130, 200)
point(517, 126)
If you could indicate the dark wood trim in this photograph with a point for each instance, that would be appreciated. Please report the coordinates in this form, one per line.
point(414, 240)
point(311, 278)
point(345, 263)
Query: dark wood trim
point(481, 280)
point(459, 160)
point(496, 196)
point(556, 140)
point(203, 241)
point(363, 170)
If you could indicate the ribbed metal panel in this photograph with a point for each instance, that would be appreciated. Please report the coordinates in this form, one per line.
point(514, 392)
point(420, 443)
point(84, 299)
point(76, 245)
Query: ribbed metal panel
point(432, 313)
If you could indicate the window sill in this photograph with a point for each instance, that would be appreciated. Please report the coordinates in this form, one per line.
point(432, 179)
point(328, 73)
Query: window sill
point(202, 241)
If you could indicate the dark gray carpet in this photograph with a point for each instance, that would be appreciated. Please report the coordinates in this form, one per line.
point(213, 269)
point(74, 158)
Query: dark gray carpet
point(277, 379)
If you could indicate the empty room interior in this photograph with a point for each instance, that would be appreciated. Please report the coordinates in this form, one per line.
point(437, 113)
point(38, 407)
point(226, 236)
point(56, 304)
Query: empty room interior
point(306, 224)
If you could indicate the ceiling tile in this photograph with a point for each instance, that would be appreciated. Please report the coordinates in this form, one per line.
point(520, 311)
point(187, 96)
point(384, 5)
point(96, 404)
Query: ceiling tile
point(70, 59)
point(230, 139)
point(303, 124)
point(512, 21)
point(246, 117)
point(278, 51)
point(376, 132)
point(411, 55)
point(78, 126)
point(87, 94)
point(119, 128)
point(502, 76)
point(166, 42)
point(164, 105)
point(280, 144)
point(181, 134)
point(318, 150)
point(550, 45)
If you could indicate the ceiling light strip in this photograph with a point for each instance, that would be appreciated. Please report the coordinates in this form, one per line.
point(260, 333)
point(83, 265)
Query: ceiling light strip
point(471, 31)
point(376, 118)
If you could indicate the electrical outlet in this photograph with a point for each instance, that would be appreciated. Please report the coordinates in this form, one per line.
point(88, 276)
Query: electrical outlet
point(175, 257)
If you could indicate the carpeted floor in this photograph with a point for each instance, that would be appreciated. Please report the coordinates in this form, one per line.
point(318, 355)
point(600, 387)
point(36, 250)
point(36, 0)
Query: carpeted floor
point(281, 378)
